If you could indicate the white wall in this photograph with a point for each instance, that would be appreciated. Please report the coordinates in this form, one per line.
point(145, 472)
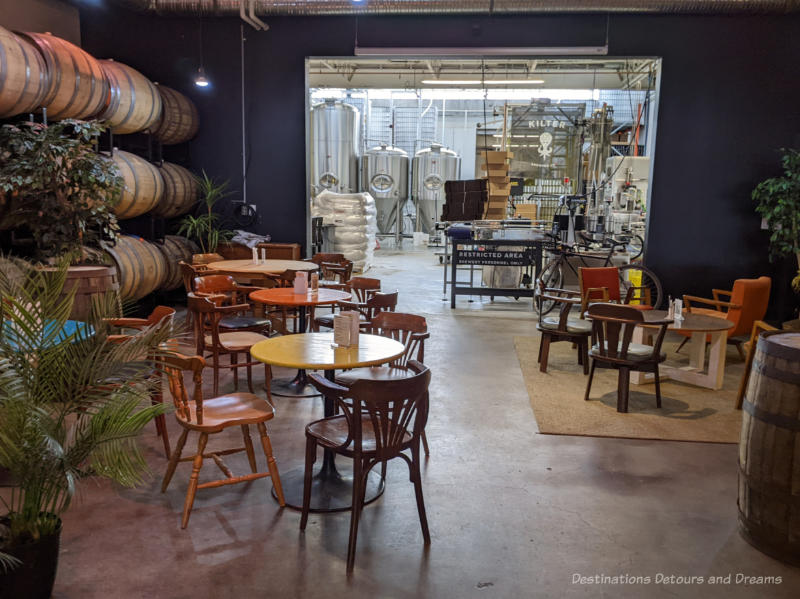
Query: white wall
point(55, 16)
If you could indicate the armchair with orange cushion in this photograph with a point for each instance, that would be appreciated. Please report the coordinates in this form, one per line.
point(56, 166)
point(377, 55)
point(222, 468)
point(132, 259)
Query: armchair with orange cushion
point(746, 303)
point(603, 284)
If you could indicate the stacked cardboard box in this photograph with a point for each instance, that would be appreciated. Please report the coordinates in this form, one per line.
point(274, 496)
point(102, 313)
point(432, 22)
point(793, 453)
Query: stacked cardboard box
point(465, 200)
point(496, 166)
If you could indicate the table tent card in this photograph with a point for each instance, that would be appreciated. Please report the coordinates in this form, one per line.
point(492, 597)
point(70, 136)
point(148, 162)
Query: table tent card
point(346, 329)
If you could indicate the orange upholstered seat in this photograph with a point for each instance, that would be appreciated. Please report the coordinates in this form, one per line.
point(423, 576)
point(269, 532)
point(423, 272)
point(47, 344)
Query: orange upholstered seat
point(602, 284)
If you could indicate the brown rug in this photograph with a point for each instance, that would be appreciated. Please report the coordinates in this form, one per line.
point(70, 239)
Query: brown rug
point(688, 413)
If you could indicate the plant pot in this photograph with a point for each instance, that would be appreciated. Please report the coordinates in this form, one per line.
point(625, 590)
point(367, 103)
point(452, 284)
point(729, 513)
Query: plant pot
point(206, 258)
point(35, 577)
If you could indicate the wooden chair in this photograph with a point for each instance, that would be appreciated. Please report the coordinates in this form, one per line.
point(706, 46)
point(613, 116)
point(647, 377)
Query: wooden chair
point(612, 330)
point(209, 416)
point(188, 274)
point(225, 291)
point(280, 251)
point(377, 303)
point(602, 284)
point(759, 326)
point(335, 270)
point(360, 288)
point(162, 317)
point(748, 303)
point(382, 420)
point(410, 330)
point(213, 341)
point(563, 327)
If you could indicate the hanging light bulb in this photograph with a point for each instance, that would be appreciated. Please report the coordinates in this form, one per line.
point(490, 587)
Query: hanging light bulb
point(200, 80)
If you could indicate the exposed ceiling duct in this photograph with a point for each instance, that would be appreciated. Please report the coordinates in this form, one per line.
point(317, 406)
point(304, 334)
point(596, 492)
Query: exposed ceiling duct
point(378, 7)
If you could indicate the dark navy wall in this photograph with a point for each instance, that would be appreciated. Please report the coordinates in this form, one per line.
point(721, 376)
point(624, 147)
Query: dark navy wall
point(729, 97)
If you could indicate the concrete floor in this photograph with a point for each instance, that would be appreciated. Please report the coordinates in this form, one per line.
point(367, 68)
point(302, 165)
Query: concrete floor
point(512, 513)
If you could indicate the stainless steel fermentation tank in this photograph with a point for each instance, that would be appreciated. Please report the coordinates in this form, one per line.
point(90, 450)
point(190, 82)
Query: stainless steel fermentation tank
point(384, 175)
point(335, 129)
point(430, 169)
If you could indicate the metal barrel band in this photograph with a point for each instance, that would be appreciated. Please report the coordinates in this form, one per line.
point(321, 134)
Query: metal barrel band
point(769, 490)
point(779, 420)
point(773, 372)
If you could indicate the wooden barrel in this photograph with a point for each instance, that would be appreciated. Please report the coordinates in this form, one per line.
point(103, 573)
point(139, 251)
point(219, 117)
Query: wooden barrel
point(144, 186)
point(23, 75)
point(78, 87)
point(91, 283)
point(175, 249)
point(140, 264)
point(179, 118)
point(180, 191)
point(133, 102)
point(769, 449)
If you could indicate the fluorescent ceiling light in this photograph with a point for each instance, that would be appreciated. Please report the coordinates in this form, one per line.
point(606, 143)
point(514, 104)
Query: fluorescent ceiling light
point(460, 51)
point(479, 82)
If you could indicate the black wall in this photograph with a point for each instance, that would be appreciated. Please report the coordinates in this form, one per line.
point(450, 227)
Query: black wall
point(729, 99)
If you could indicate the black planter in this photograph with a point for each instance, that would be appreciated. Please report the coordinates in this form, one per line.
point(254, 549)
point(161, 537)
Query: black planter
point(34, 578)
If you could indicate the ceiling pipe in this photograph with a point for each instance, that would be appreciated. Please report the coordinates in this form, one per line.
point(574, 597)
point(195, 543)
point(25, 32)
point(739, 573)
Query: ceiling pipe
point(251, 13)
point(398, 7)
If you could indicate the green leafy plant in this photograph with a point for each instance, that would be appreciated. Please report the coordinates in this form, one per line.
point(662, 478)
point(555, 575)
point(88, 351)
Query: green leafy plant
point(779, 204)
point(56, 186)
point(71, 403)
point(205, 228)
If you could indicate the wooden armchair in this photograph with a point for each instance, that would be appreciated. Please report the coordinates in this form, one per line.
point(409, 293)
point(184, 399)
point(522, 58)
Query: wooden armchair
point(210, 416)
point(335, 269)
point(214, 341)
point(360, 288)
point(563, 327)
point(378, 302)
point(603, 284)
point(759, 327)
point(747, 303)
point(612, 330)
point(223, 290)
point(381, 421)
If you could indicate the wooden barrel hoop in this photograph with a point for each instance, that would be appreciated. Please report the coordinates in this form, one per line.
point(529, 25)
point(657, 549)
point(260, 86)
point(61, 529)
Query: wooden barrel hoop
point(144, 185)
point(769, 449)
point(24, 80)
point(77, 85)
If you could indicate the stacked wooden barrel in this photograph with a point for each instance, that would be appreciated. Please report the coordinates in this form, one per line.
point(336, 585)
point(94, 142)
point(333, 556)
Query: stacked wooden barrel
point(179, 119)
point(24, 80)
point(140, 264)
point(144, 185)
point(180, 191)
point(133, 103)
point(176, 249)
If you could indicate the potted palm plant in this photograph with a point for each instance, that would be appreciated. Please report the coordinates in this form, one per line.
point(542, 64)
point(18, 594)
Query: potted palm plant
point(205, 228)
point(72, 402)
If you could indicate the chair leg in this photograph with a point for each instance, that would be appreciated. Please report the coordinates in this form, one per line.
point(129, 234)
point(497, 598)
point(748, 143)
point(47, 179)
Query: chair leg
point(216, 373)
point(738, 345)
point(197, 464)
point(425, 444)
point(311, 457)
point(416, 478)
point(539, 357)
point(235, 371)
point(623, 386)
point(359, 487)
point(268, 381)
point(589, 382)
point(250, 377)
point(658, 386)
point(161, 420)
point(545, 352)
point(173, 460)
point(248, 445)
point(272, 466)
point(584, 349)
point(685, 340)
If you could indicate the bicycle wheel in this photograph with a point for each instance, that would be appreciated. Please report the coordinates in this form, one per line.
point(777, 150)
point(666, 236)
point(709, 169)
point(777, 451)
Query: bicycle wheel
point(551, 276)
point(634, 246)
point(636, 275)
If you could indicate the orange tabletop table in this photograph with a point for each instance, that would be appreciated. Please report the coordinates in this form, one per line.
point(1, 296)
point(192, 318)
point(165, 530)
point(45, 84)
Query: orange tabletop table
point(285, 296)
point(704, 329)
point(331, 490)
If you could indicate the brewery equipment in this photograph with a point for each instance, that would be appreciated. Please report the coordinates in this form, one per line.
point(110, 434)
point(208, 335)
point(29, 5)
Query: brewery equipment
point(335, 129)
point(430, 169)
point(384, 175)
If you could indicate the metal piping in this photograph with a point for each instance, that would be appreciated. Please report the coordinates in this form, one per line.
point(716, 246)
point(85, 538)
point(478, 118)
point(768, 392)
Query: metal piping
point(398, 7)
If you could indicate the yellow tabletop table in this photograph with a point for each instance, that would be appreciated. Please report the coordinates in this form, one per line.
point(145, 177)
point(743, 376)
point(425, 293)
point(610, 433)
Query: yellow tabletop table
point(331, 490)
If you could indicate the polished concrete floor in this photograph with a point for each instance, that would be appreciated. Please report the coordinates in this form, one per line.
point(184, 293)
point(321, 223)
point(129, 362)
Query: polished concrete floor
point(512, 513)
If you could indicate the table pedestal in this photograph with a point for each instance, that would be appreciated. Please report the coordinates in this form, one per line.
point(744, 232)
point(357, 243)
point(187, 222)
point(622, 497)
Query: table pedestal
point(299, 386)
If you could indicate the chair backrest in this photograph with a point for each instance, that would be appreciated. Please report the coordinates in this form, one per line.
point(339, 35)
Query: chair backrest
point(395, 408)
point(380, 302)
point(362, 288)
point(214, 284)
point(594, 280)
point(190, 271)
point(320, 257)
point(612, 330)
point(409, 329)
point(175, 365)
point(753, 297)
point(161, 315)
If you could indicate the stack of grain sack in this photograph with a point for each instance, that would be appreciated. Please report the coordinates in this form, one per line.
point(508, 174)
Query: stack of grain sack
point(354, 217)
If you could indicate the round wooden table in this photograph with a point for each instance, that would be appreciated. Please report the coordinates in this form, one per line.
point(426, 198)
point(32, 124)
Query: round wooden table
point(265, 267)
point(331, 489)
point(285, 296)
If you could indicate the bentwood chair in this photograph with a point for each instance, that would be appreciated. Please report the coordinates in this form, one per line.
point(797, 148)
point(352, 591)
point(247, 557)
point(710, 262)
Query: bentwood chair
point(379, 422)
point(747, 304)
point(188, 274)
point(612, 331)
point(361, 289)
point(223, 290)
point(335, 269)
point(213, 341)
point(410, 330)
point(161, 317)
point(563, 326)
point(210, 416)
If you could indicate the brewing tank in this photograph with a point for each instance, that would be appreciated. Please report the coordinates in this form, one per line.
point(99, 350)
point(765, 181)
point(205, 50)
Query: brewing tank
point(384, 175)
point(430, 169)
point(335, 128)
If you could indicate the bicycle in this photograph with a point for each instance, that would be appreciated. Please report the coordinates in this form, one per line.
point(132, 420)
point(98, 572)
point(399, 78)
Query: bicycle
point(633, 243)
point(555, 273)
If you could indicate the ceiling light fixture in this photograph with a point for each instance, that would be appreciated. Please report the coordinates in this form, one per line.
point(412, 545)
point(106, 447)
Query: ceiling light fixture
point(200, 80)
point(511, 51)
point(479, 82)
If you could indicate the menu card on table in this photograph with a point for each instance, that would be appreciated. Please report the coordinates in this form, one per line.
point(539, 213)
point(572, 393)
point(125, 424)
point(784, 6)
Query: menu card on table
point(346, 329)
